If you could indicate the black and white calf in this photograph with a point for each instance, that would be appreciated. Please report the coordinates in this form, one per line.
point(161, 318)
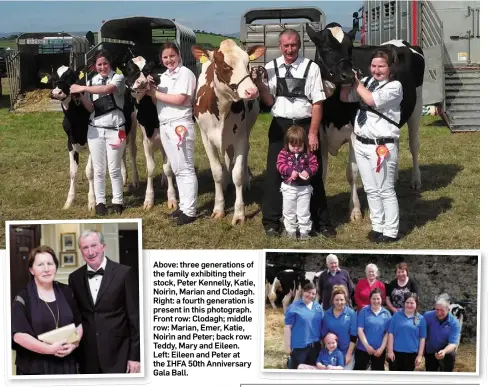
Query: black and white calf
point(337, 58)
point(75, 125)
point(289, 283)
point(136, 71)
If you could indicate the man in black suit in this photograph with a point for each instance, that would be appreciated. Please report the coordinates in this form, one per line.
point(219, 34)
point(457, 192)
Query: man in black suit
point(108, 298)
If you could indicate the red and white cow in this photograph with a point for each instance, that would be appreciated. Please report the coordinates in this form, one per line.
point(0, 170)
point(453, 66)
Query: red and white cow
point(226, 109)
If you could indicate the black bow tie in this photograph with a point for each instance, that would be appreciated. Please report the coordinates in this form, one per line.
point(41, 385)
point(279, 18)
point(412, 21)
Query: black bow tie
point(91, 274)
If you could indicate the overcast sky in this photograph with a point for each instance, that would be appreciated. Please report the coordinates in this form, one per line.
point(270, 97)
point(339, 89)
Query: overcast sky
point(215, 16)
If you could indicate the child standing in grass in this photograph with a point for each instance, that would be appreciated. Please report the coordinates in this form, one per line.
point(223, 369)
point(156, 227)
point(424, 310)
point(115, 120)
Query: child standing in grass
point(296, 165)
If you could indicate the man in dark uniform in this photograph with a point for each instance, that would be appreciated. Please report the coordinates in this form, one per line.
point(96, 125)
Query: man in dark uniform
point(295, 93)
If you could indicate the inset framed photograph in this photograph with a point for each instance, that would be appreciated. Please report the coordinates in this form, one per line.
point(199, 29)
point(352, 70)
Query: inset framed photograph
point(68, 241)
point(68, 259)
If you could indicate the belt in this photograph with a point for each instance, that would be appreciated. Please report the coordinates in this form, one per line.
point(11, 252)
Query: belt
point(377, 141)
point(294, 121)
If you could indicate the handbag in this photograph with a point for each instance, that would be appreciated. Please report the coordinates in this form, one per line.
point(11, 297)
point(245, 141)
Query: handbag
point(67, 333)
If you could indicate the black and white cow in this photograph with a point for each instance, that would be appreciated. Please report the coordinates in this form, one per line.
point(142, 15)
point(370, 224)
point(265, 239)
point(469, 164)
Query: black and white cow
point(337, 58)
point(136, 71)
point(288, 284)
point(75, 124)
point(271, 272)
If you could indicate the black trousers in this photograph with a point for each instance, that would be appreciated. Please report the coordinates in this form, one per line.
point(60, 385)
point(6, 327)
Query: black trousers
point(307, 355)
point(362, 360)
point(272, 197)
point(404, 361)
point(434, 365)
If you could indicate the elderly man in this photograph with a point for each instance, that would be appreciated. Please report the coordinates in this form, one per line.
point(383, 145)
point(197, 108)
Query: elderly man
point(107, 295)
point(295, 94)
point(442, 339)
point(333, 276)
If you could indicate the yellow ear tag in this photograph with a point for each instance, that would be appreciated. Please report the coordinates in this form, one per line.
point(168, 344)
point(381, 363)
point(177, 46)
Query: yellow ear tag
point(118, 71)
point(44, 79)
point(82, 75)
point(203, 59)
point(252, 57)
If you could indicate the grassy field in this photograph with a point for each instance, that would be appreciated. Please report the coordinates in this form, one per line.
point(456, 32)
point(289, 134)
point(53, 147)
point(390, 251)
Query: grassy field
point(8, 43)
point(445, 214)
point(275, 358)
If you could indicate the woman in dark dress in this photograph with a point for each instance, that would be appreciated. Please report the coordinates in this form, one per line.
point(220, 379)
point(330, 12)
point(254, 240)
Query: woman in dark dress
point(397, 289)
point(42, 306)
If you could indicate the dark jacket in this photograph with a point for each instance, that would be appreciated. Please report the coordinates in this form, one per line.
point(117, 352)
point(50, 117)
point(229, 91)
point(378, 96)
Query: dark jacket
point(110, 323)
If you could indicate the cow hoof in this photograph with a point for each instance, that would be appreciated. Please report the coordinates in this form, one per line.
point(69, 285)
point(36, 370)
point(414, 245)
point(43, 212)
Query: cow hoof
point(135, 185)
point(416, 185)
point(217, 215)
point(356, 216)
point(238, 221)
point(67, 205)
point(172, 204)
point(148, 205)
point(91, 207)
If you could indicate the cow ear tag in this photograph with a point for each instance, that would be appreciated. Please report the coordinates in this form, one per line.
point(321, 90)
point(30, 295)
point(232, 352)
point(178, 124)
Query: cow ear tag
point(44, 79)
point(203, 59)
point(82, 75)
point(118, 71)
point(252, 57)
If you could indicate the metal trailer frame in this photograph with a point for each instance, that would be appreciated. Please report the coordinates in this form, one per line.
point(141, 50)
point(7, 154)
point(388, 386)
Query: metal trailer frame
point(267, 33)
point(148, 33)
point(450, 81)
point(60, 48)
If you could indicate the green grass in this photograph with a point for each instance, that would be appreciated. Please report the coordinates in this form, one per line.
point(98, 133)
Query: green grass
point(8, 43)
point(445, 214)
point(214, 40)
point(275, 358)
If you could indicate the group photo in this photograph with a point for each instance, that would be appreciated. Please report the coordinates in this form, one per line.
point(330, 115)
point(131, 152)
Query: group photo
point(76, 298)
point(371, 312)
point(298, 128)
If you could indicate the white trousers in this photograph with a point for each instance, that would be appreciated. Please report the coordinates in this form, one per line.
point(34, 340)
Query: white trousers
point(380, 187)
point(182, 163)
point(296, 207)
point(104, 155)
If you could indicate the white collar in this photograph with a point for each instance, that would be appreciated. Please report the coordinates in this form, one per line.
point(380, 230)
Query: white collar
point(176, 71)
point(295, 64)
point(102, 265)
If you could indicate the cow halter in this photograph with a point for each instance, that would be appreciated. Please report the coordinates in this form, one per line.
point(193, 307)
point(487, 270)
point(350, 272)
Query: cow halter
point(233, 86)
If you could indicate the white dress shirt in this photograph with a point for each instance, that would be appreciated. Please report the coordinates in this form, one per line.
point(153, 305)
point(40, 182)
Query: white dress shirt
point(300, 107)
point(95, 282)
point(387, 100)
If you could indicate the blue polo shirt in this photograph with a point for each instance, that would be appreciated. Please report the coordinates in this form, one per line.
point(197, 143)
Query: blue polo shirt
point(406, 333)
point(343, 326)
point(334, 358)
point(374, 326)
point(440, 334)
point(306, 324)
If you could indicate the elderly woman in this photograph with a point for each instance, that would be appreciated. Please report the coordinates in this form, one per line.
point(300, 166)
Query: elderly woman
point(331, 277)
point(407, 336)
point(398, 288)
point(302, 340)
point(43, 306)
point(341, 320)
point(373, 323)
point(443, 337)
point(365, 286)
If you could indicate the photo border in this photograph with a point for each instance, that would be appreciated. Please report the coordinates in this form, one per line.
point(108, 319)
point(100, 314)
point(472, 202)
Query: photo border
point(72, 377)
point(331, 375)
